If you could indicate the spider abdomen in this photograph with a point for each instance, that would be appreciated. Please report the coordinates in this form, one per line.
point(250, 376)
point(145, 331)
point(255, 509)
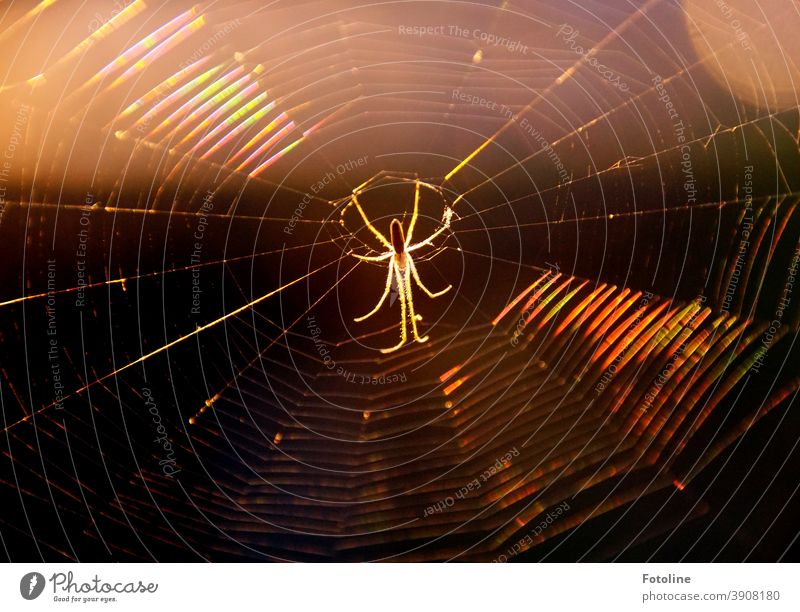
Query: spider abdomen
point(398, 238)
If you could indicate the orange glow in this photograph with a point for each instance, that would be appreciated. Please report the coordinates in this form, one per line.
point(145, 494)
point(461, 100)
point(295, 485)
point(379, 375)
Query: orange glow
point(449, 374)
point(454, 385)
point(561, 304)
point(516, 301)
point(578, 309)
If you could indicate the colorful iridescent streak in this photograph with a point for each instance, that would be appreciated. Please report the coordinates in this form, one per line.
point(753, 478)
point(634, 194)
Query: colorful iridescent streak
point(276, 157)
point(640, 334)
point(604, 313)
point(141, 47)
point(228, 97)
point(160, 49)
point(636, 322)
point(562, 303)
point(538, 295)
point(232, 120)
point(340, 111)
point(543, 302)
point(288, 148)
point(516, 301)
point(172, 98)
point(121, 18)
point(199, 98)
point(228, 92)
point(266, 130)
point(594, 305)
point(159, 92)
point(257, 116)
point(234, 102)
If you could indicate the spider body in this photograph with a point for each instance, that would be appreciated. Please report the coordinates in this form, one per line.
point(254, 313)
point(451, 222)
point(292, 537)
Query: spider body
point(398, 240)
point(401, 268)
point(398, 245)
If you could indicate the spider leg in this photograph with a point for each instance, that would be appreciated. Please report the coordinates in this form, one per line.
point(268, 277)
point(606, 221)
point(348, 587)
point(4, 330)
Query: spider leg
point(433, 236)
point(415, 274)
point(415, 215)
point(371, 227)
point(414, 316)
point(383, 297)
point(381, 257)
point(403, 297)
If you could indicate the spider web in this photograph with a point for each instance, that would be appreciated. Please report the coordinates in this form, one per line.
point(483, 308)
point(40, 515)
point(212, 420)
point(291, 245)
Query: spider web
point(180, 268)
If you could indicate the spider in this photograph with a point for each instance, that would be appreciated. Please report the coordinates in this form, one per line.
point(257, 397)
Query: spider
point(401, 267)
